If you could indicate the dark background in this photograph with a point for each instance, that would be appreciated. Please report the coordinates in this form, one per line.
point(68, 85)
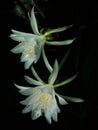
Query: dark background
point(84, 57)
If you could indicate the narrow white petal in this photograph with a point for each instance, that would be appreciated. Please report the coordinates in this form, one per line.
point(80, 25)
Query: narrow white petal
point(34, 22)
point(48, 117)
point(26, 101)
point(54, 73)
point(18, 32)
point(61, 100)
point(24, 57)
point(28, 63)
point(31, 100)
point(60, 43)
point(22, 36)
point(18, 49)
point(26, 90)
point(58, 109)
point(21, 87)
point(35, 114)
point(27, 109)
point(17, 38)
point(54, 111)
point(32, 81)
point(55, 116)
point(31, 91)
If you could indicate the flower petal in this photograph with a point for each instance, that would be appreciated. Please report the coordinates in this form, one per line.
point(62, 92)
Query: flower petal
point(18, 49)
point(28, 63)
point(22, 36)
point(48, 117)
point(27, 109)
point(21, 87)
point(32, 100)
point(34, 22)
point(36, 114)
point(55, 116)
point(26, 90)
point(61, 100)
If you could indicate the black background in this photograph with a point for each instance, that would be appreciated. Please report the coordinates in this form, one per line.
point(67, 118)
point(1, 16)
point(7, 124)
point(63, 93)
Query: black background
point(84, 56)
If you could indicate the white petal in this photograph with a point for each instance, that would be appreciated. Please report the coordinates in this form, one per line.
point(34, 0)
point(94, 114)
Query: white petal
point(27, 109)
point(54, 111)
point(58, 109)
point(28, 63)
point(48, 116)
point(17, 38)
point(21, 87)
point(27, 100)
point(24, 57)
point(18, 49)
point(34, 22)
point(27, 90)
point(61, 100)
point(22, 36)
point(55, 116)
point(35, 114)
point(30, 91)
point(32, 100)
point(54, 73)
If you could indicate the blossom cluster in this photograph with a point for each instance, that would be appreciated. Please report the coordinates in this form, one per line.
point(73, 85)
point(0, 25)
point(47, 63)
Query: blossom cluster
point(42, 96)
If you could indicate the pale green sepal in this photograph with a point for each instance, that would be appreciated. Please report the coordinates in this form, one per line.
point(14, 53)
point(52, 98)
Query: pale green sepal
point(60, 43)
point(66, 81)
point(46, 61)
point(32, 81)
point(57, 30)
point(33, 22)
point(54, 73)
point(73, 99)
point(21, 87)
point(36, 75)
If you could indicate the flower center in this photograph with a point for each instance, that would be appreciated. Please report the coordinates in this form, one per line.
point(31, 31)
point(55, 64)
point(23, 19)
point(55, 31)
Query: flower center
point(45, 101)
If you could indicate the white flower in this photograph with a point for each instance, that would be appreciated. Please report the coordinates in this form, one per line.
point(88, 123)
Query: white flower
point(31, 45)
point(42, 98)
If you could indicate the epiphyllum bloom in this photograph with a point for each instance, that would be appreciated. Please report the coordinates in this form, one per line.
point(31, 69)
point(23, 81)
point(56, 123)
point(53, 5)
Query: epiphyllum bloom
point(31, 45)
point(42, 98)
